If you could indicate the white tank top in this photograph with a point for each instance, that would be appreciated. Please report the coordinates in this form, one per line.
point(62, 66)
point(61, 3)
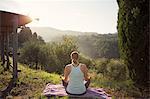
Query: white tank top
point(76, 81)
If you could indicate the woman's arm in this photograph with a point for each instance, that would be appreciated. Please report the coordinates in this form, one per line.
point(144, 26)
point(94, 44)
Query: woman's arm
point(85, 72)
point(66, 73)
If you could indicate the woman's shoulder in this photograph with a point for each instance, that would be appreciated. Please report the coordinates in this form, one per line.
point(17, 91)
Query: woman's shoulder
point(82, 65)
point(68, 66)
point(83, 68)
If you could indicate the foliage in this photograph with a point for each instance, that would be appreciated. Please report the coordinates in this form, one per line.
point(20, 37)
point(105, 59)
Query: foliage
point(51, 57)
point(133, 30)
point(117, 70)
point(114, 70)
point(99, 46)
point(26, 34)
point(118, 89)
point(101, 65)
point(59, 54)
point(112, 75)
point(32, 54)
point(85, 60)
point(30, 82)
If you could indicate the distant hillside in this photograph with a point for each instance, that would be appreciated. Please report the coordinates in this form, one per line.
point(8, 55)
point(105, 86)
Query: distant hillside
point(91, 44)
point(98, 46)
point(50, 34)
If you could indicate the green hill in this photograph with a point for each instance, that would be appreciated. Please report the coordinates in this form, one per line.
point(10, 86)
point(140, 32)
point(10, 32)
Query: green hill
point(53, 34)
point(31, 82)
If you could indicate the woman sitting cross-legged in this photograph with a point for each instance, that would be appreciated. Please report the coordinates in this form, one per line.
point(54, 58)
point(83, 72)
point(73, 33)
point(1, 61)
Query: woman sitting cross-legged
point(75, 74)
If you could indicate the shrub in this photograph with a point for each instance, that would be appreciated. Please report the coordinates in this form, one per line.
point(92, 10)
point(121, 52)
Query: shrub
point(117, 70)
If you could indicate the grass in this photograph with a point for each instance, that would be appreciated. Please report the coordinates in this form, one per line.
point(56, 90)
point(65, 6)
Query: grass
point(31, 82)
point(117, 89)
point(4, 77)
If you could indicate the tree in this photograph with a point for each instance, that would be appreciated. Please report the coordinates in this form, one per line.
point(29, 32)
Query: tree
point(59, 54)
point(24, 35)
point(99, 45)
point(31, 53)
point(133, 30)
point(52, 57)
point(107, 46)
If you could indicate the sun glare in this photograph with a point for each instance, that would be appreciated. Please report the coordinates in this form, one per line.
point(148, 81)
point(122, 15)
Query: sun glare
point(72, 15)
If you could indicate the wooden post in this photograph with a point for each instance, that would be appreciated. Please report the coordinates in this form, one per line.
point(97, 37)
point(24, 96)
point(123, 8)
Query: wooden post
point(7, 49)
point(15, 46)
point(2, 49)
point(0, 38)
point(0, 46)
point(2, 42)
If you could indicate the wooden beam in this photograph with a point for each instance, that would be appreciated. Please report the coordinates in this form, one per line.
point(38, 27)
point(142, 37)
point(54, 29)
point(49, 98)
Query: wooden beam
point(0, 36)
point(0, 39)
point(7, 50)
point(15, 46)
point(2, 49)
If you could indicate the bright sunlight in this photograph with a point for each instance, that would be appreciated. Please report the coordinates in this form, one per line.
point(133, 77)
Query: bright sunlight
point(78, 15)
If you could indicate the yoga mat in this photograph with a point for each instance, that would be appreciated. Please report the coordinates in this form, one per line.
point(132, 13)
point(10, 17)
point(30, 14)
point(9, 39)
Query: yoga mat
point(59, 90)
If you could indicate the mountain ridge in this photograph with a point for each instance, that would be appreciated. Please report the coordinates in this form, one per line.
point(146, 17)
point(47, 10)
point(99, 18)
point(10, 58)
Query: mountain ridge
point(50, 34)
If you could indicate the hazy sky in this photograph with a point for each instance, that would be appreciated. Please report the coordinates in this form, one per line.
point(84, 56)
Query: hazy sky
point(78, 15)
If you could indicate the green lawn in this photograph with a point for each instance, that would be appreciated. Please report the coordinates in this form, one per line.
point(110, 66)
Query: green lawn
point(31, 82)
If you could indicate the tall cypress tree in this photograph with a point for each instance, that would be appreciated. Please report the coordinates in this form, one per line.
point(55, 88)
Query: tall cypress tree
point(133, 32)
